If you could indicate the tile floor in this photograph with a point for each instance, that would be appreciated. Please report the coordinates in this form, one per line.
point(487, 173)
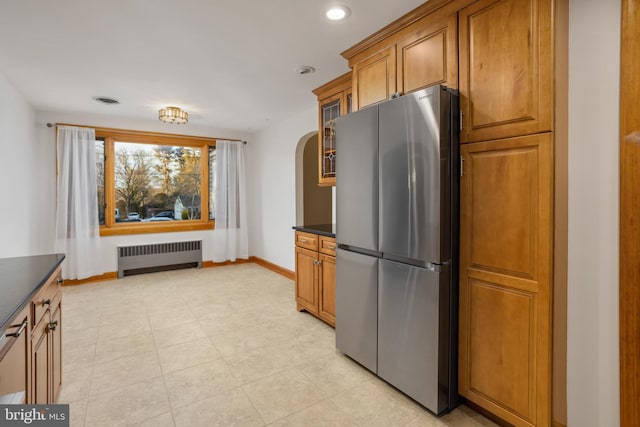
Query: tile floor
point(216, 347)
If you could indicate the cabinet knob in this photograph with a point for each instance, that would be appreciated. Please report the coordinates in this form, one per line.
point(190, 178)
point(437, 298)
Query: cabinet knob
point(46, 301)
point(53, 325)
point(60, 281)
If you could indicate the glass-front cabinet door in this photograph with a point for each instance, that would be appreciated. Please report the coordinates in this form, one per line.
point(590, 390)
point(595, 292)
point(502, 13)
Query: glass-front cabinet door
point(334, 100)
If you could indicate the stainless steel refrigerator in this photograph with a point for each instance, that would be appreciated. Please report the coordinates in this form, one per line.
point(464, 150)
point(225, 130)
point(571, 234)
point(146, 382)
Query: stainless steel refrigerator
point(396, 229)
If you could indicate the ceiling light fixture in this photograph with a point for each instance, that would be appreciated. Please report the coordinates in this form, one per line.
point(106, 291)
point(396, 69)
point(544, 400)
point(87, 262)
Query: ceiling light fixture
point(338, 13)
point(173, 115)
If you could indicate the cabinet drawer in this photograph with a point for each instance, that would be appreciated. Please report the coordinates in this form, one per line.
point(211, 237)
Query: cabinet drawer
point(307, 240)
point(328, 245)
point(44, 299)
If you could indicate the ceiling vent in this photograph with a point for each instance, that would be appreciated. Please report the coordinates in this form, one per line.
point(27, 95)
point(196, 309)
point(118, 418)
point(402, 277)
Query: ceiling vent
point(106, 100)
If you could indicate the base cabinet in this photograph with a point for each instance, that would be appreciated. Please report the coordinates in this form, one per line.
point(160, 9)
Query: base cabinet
point(46, 342)
point(316, 276)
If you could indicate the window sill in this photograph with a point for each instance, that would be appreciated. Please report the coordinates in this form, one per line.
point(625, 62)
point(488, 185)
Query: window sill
point(147, 228)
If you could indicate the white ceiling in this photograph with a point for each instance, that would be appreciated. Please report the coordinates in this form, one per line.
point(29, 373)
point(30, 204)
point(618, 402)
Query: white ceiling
point(229, 63)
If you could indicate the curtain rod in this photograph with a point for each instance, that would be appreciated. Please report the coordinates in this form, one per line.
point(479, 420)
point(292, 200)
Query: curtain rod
point(50, 125)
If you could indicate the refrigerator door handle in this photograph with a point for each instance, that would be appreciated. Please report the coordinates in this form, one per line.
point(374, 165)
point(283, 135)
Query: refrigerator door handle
point(430, 266)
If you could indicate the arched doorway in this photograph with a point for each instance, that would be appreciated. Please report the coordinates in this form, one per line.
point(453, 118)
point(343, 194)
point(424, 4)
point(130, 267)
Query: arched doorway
point(313, 203)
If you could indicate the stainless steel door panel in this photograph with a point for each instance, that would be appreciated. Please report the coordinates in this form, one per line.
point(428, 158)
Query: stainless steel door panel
point(408, 331)
point(357, 307)
point(357, 179)
point(413, 172)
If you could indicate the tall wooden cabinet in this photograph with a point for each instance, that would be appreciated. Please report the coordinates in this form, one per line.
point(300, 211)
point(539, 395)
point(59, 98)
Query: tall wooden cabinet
point(505, 281)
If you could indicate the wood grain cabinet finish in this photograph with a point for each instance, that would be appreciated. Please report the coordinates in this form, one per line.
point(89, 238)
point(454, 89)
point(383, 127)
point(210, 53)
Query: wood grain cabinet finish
point(15, 372)
point(316, 279)
point(374, 78)
point(506, 68)
point(505, 271)
point(46, 342)
point(334, 100)
point(429, 56)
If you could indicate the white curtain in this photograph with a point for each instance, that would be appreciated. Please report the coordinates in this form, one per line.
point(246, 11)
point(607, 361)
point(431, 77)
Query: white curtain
point(230, 237)
point(77, 223)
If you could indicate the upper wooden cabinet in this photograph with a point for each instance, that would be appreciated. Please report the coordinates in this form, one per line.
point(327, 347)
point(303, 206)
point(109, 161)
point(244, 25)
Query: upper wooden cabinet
point(334, 99)
point(374, 78)
point(418, 55)
point(429, 56)
point(506, 69)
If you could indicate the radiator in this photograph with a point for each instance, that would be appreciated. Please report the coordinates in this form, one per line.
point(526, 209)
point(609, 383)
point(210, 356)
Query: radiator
point(158, 257)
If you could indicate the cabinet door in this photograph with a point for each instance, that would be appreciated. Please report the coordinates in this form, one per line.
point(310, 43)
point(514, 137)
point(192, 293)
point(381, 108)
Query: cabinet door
point(307, 280)
point(327, 282)
point(374, 79)
point(40, 363)
point(429, 56)
point(505, 277)
point(506, 60)
point(330, 109)
point(56, 350)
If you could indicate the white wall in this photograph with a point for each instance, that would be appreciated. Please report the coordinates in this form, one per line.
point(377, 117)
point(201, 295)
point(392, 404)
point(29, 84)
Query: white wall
point(271, 186)
point(592, 359)
point(26, 216)
point(46, 137)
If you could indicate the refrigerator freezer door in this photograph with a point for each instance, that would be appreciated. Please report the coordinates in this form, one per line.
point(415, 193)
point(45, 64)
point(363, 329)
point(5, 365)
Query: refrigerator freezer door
point(357, 180)
point(414, 176)
point(412, 340)
point(357, 307)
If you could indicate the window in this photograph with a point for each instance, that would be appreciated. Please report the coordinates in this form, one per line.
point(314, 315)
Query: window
point(149, 182)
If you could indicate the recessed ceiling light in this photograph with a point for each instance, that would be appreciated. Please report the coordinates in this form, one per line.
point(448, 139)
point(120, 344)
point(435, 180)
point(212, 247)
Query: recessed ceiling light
point(106, 100)
point(337, 13)
point(304, 69)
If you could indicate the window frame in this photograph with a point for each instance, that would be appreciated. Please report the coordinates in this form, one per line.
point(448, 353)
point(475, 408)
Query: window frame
point(113, 228)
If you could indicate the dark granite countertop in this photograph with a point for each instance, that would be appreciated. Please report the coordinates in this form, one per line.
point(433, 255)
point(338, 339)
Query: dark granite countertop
point(20, 279)
point(321, 229)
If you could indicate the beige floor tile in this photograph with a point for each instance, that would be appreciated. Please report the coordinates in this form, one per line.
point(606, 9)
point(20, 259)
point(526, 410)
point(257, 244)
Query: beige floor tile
point(124, 371)
point(258, 363)
point(164, 420)
point(78, 336)
point(77, 413)
point(170, 318)
point(117, 348)
point(78, 357)
point(128, 405)
point(374, 404)
point(186, 355)
point(282, 394)
point(75, 384)
point(322, 414)
point(183, 333)
point(225, 409)
point(124, 328)
point(334, 373)
point(199, 382)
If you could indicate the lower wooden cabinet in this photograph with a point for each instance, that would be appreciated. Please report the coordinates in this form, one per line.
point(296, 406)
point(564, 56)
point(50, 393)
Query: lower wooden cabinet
point(506, 241)
point(316, 276)
point(46, 343)
point(15, 370)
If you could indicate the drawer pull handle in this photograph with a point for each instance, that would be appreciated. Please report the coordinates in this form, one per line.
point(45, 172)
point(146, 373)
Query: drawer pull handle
point(46, 302)
point(53, 325)
point(19, 331)
point(331, 248)
point(304, 241)
point(60, 281)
